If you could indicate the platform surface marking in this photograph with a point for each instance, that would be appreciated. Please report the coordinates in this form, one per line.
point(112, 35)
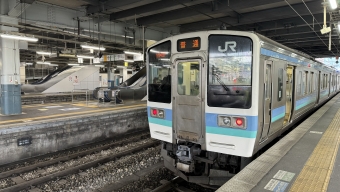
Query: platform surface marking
point(316, 173)
point(71, 114)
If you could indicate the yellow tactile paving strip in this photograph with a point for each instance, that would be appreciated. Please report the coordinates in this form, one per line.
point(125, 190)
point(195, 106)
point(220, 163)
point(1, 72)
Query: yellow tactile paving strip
point(71, 114)
point(317, 171)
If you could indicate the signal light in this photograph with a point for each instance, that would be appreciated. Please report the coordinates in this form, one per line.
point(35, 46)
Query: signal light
point(239, 122)
point(154, 112)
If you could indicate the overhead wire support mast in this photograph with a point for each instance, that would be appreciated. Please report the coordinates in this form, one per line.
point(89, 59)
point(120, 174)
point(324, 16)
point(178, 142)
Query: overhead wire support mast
point(308, 25)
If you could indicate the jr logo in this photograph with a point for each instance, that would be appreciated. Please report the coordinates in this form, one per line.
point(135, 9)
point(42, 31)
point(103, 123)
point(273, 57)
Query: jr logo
point(232, 45)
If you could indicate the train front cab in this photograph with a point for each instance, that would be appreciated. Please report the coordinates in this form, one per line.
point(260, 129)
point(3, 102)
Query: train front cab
point(212, 106)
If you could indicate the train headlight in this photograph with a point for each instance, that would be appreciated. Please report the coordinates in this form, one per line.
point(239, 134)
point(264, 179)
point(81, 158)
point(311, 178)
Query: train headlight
point(227, 121)
point(161, 114)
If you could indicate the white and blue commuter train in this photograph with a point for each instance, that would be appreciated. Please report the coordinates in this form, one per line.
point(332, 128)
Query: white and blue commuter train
point(215, 98)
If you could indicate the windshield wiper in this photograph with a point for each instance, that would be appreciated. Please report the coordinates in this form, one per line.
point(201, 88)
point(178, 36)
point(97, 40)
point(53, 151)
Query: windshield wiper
point(214, 72)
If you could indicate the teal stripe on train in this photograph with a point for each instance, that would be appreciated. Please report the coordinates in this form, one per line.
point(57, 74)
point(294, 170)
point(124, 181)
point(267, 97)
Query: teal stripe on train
point(231, 132)
point(160, 122)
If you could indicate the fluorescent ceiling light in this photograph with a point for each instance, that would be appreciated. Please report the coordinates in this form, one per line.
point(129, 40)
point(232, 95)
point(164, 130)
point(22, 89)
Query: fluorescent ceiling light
point(23, 38)
point(99, 65)
point(131, 61)
point(85, 56)
point(333, 3)
point(92, 47)
point(121, 67)
point(43, 63)
point(73, 64)
point(53, 65)
point(44, 53)
point(28, 63)
point(130, 52)
point(165, 59)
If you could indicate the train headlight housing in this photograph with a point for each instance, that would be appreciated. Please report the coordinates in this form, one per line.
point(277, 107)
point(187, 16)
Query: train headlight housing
point(158, 113)
point(227, 121)
point(231, 121)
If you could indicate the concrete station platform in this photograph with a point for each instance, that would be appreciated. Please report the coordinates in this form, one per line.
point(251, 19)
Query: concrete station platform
point(44, 128)
point(307, 159)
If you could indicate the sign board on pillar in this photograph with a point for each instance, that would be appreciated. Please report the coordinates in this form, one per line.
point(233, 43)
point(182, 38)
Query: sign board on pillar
point(96, 60)
point(80, 60)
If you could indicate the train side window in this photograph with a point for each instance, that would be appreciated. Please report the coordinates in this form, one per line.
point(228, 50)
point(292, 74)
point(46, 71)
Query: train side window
point(304, 83)
point(327, 81)
point(280, 84)
point(299, 83)
point(323, 81)
point(311, 83)
point(305, 78)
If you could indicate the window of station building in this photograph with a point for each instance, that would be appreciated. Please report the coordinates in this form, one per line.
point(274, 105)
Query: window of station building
point(280, 84)
point(299, 81)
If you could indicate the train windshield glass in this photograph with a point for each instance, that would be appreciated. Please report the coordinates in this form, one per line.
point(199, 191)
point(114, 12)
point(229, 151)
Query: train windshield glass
point(230, 71)
point(160, 73)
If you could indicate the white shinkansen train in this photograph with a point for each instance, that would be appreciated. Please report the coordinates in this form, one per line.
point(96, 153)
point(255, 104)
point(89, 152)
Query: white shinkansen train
point(215, 98)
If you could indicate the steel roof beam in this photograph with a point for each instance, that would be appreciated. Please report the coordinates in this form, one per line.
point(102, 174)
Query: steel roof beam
point(288, 23)
point(153, 8)
point(223, 7)
point(111, 5)
point(254, 17)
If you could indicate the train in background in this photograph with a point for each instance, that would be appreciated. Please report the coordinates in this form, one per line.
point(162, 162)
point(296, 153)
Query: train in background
point(215, 98)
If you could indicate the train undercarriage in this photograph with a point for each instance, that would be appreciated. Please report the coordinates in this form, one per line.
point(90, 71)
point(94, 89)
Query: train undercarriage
point(188, 161)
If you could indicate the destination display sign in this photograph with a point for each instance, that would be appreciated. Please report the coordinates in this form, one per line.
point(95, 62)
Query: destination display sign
point(189, 44)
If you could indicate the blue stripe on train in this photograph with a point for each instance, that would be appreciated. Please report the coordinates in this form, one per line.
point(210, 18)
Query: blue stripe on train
point(251, 121)
point(278, 113)
point(305, 101)
point(282, 56)
point(167, 113)
point(213, 128)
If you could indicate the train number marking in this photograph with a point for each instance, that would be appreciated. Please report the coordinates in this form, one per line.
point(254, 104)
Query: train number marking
point(232, 45)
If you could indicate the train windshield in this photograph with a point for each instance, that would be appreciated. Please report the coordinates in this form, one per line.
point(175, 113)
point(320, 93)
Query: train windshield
point(230, 71)
point(159, 88)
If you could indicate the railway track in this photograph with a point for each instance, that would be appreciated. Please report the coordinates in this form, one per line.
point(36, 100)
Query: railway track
point(136, 143)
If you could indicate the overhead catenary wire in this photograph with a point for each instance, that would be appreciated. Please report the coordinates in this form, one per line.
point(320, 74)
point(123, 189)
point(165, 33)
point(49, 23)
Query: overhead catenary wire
point(308, 25)
point(318, 22)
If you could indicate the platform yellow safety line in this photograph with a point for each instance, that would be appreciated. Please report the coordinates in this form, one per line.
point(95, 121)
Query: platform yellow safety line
point(45, 105)
point(74, 113)
point(317, 171)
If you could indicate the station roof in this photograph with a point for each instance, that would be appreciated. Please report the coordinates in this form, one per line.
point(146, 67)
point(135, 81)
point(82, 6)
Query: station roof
point(294, 23)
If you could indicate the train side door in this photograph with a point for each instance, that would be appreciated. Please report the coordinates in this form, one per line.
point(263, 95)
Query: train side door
point(267, 99)
point(289, 94)
point(187, 114)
